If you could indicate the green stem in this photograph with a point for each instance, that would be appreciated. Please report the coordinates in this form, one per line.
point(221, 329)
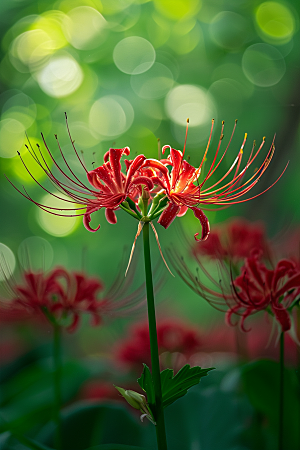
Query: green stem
point(159, 412)
point(281, 393)
point(57, 383)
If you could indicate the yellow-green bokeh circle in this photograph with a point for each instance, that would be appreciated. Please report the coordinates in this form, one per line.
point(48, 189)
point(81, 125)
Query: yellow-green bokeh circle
point(276, 21)
point(54, 224)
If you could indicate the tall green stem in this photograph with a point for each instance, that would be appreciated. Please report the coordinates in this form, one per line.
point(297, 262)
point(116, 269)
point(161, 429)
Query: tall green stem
point(281, 393)
point(159, 412)
point(57, 383)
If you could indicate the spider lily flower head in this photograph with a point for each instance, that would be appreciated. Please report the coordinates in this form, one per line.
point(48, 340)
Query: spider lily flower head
point(184, 191)
point(63, 296)
point(259, 288)
point(256, 288)
point(107, 185)
point(235, 240)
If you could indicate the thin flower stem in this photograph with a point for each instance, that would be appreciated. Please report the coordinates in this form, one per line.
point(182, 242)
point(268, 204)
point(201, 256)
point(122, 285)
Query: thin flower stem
point(159, 412)
point(281, 393)
point(57, 383)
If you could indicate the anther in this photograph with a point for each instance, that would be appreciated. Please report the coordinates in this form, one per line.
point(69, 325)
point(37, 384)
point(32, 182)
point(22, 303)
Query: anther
point(223, 121)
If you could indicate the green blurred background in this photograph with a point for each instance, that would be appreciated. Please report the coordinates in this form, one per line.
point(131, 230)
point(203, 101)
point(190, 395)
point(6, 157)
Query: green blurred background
point(128, 72)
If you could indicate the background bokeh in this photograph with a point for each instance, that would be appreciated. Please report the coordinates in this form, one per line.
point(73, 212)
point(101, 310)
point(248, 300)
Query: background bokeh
point(129, 72)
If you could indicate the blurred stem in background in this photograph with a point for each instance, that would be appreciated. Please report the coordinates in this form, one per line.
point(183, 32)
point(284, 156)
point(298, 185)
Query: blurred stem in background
point(57, 383)
point(159, 413)
point(281, 393)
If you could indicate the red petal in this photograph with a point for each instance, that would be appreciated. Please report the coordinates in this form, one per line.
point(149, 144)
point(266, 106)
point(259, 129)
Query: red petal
point(110, 216)
point(168, 215)
point(199, 214)
point(86, 223)
point(282, 316)
point(182, 211)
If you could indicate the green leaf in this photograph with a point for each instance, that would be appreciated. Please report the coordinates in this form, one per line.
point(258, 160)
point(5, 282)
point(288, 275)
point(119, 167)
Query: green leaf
point(261, 384)
point(174, 387)
point(146, 383)
point(115, 447)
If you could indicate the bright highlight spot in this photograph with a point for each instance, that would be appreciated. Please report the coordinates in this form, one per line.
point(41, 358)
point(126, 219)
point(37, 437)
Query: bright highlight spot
point(111, 116)
point(33, 167)
point(7, 262)
point(84, 28)
point(33, 48)
point(229, 30)
point(263, 65)
point(61, 76)
point(188, 101)
point(276, 21)
point(35, 253)
point(57, 225)
point(21, 108)
point(134, 55)
point(155, 83)
point(176, 9)
point(12, 137)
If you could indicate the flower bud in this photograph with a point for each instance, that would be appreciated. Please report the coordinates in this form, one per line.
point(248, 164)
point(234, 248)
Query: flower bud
point(136, 400)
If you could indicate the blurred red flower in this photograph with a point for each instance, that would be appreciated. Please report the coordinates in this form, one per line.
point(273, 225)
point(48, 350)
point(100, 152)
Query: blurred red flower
point(259, 288)
point(173, 337)
point(234, 239)
point(63, 296)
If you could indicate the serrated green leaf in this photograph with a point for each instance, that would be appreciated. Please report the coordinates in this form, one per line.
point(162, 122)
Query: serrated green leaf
point(115, 447)
point(146, 383)
point(174, 387)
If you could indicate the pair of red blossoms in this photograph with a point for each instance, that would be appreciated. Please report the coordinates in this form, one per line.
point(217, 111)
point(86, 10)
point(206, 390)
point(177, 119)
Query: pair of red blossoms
point(172, 184)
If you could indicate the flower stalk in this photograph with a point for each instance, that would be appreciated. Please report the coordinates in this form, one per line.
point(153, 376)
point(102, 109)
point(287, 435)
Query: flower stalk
point(158, 413)
point(281, 393)
point(57, 371)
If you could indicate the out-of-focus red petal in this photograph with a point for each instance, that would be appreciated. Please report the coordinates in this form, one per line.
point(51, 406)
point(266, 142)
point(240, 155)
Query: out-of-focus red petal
point(282, 316)
point(74, 323)
point(182, 211)
point(199, 214)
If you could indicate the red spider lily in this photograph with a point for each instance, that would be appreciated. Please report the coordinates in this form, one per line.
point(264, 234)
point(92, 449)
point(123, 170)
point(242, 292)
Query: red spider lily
point(109, 186)
point(258, 288)
point(60, 294)
point(235, 240)
point(182, 193)
point(173, 337)
point(64, 296)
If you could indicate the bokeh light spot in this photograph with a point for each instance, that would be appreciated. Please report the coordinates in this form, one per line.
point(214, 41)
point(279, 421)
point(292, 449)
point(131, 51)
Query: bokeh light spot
point(57, 225)
point(111, 115)
point(276, 21)
point(134, 55)
point(176, 9)
point(85, 28)
point(33, 167)
point(155, 83)
point(188, 101)
point(263, 65)
point(21, 108)
point(12, 137)
point(229, 30)
point(61, 76)
point(35, 253)
point(7, 262)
